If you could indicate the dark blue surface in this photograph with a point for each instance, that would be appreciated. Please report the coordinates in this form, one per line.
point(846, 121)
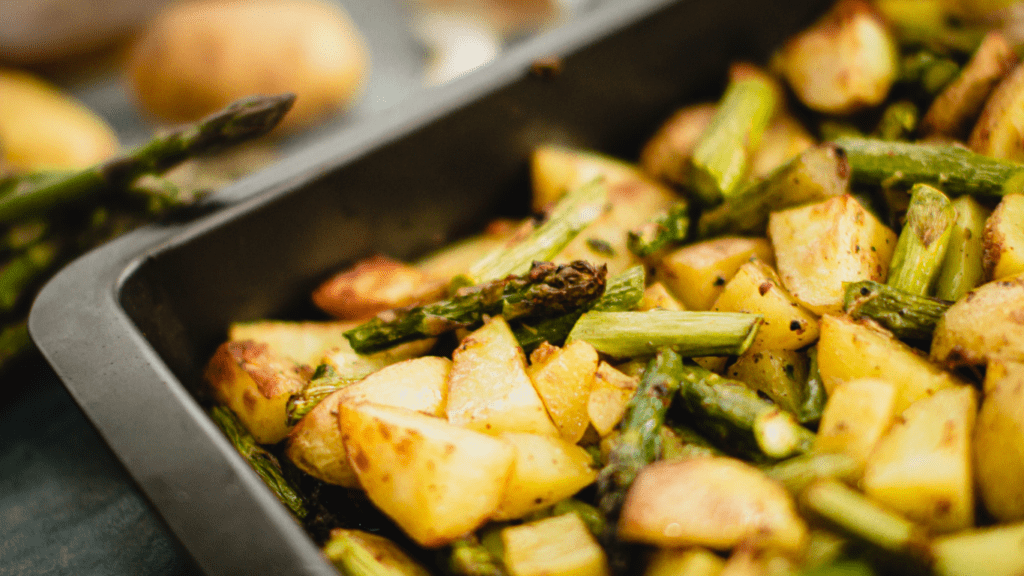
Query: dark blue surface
point(66, 504)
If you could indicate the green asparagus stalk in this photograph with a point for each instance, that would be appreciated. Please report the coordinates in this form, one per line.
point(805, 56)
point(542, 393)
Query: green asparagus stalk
point(922, 244)
point(622, 292)
point(546, 290)
point(899, 121)
point(963, 268)
point(680, 442)
point(359, 553)
point(691, 334)
point(263, 462)
point(815, 396)
point(574, 212)
point(14, 340)
point(859, 516)
point(908, 316)
point(740, 413)
point(721, 157)
point(24, 270)
point(816, 174)
point(799, 472)
point(639, 439)
point(664, 229)
point(324, 382)
point(955, 169)
point(469, 557)
point(929, 71)
point(246, 119)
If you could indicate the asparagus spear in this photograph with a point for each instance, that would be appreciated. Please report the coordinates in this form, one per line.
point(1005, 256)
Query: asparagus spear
point(963, 268)
point(263, 462)
point(899, 121)
point(908, 316)
point(359, 553)
point(668, 227)
point(799, 472)
point(809, 411)
point(859, 516)
point(957, 170)
point(24, 270)
point(546, 290)
point(691, 334)
point(469, 557)
point(569, 217)
point(639, 439)
point(323, 382)
point(36, 194)
point(739, 412)
point(816, 174)
point(721, 157)
point(622, 292)
point(680, 442)
point(922, 244)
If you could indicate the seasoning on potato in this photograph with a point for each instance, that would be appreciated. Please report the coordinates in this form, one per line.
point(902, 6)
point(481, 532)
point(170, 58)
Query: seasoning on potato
point(197, 56)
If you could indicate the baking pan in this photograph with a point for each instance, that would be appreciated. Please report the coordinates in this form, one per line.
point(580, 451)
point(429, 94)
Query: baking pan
point(129, 327)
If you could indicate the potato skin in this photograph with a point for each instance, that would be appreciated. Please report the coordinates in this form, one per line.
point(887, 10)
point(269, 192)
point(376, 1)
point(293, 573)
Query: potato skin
point(999, 441)
point(986, 324)
point(199, 56)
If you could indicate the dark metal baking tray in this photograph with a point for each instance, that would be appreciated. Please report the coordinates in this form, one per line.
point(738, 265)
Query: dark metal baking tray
point(129, 327)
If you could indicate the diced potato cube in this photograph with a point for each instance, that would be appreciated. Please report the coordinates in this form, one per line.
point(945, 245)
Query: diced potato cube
point(609, 396)
point(546, 470)
point(779, 374)
point(716, 502)
point(922, 467)
point(556, 546)
point(315, 445)
point(684, 562)
point(846, 61)
point(980, 552)
point(756, 289)
point(1004, 238)
point(489, 389)
point(657, 297)
point(848, 350)
point(373, 285)
point(819, 247)
point(999, 441)
point(666, 155)
point(696, 274)
point(255, 383)
point(303, 342)
point(784, 140)
point(563, 378)
point(858, 413)
point(985, 324)
point(998, 129)
point(437, 481)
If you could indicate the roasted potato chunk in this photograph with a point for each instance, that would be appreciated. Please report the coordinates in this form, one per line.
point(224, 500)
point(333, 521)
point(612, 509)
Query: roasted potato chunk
point(1004, 238)
point(255, 383)
point(563, 378)
point(986, 324)
point(546, 470)
point(999, 441)
point(697, 274)
point(373, 285)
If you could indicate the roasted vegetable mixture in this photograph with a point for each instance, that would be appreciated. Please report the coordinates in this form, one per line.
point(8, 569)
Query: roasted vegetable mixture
point(788, 339)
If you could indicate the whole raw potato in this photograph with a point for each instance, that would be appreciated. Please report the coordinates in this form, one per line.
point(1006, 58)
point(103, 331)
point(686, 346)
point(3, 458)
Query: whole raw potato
point(199, 56)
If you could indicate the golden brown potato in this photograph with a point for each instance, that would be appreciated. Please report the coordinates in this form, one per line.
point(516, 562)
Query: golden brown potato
point(999, 441)
point(997, 132)
point(489, 389)
point(858, 413)
point(696, 274)
point(1003, 240)
point(315, 445)
point(198, 56)
point(546, 470)
point(844, 62)
point(609, 396)
point(304, 342)
point(684, 562)
point(986, 324)
point(922, 467)
point(373, 285)
point(716, 502)
point(437, 481)
point(819, 247)
point(255, 383)
point(557, 546)
point(563, 378)
point(954, 110)
point(42, 128)
point(666, 155)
